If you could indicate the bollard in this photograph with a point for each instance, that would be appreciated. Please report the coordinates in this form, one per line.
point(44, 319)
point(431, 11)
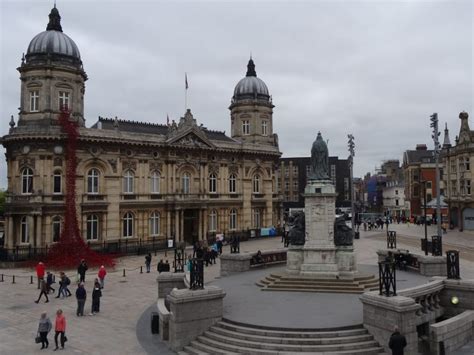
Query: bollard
point(31, 280)
point(13, 279)
point(1, 279)
point(123, 273)
point(166, 253)
point(141, 269)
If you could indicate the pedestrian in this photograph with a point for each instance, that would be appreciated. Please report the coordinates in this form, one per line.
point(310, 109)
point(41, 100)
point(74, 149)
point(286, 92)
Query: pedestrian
point(63, 285)
point(166, 266)
point(397, 342)
point(160, 266)
point(81, 296)
point(40, 271)
point(44, 327)
point(81, 270)
point(148, 262)
point(50, 281)
point(101, 274)
point(220, 243)
point(60, 328)
point(96, 295)
point(44, 291)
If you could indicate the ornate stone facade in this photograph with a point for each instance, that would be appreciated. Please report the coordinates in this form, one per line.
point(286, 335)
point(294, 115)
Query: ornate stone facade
point(134, 180)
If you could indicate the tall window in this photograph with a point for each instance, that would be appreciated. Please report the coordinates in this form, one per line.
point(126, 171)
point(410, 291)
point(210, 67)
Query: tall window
point(467, 163)
point(57, 182)
point(233, 219)
point(128, 178)
point(212, 183)
point(246, 127)
point(468, 187)
point(27, 181)
point(256, 184)
point(64, 100)
point(264, 128)
point(232, 183)
point(25, 231)
point(93, 181)
point(256, 218)
point(186, 182)
point(56, 228)
point(155, 224)
point(127, 225)
point(213, 221)
point(155, 182)
point(92, 227)
point(34, 101)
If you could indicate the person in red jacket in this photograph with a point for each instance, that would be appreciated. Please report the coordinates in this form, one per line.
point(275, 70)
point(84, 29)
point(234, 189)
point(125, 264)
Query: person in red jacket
point(60, 328)
point(40, 271)
point(101, 274)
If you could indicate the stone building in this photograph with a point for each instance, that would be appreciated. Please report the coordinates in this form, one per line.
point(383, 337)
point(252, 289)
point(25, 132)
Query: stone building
point(394, 199)
point(135, 181)
point(458, 175)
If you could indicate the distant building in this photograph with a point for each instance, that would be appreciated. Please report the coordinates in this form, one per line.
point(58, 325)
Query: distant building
point(291, 180)
point(392, 170)
point(394, 199)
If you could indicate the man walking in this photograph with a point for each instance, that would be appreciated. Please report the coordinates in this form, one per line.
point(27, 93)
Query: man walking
point(81, 296)
point(81, 270)
point(397, 342)
point(44, 291)
point(148, 262)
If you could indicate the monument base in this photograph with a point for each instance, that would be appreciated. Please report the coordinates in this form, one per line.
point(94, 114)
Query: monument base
point(294, 259)
point(319, 262)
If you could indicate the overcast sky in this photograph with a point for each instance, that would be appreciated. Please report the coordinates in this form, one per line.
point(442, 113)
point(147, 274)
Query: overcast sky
point(376, 69)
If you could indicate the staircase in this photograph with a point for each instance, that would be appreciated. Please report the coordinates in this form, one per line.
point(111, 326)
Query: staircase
point(229, 337)
point(283, 282)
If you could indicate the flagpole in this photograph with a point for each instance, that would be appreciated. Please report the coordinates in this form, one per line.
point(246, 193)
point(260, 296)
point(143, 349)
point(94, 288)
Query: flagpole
point(185, 91)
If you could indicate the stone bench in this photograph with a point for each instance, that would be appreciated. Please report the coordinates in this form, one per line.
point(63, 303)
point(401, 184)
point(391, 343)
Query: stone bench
point(452, 333)
point(426, 265)
point(231, 263)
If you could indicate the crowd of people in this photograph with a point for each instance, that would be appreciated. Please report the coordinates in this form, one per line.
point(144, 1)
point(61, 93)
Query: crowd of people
point(45, 281)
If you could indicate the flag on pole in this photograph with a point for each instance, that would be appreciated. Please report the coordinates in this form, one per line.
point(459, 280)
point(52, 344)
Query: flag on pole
point(186, 80)
point(167, 119)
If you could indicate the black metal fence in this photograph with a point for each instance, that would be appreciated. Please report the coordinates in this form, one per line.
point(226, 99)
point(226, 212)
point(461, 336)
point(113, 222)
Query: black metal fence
point(196, 274)
point(179, 259)
point(387, 279)
point(452, 263)
point(391, 240)
point(437, 245)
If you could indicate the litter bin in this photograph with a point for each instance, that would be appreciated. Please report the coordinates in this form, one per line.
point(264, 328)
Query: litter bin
point(155, 323)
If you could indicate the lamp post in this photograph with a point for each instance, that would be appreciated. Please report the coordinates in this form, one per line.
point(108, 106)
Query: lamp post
point(351, 146)
point(424, 213)
point(435, 135)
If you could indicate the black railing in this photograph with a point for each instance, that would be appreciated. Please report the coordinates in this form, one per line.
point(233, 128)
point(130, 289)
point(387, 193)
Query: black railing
point(437, 245)
point(452, 263)
point(391, 240)
point(235, 245)
point(196, 274)
point(179, 259)
point(387, 279)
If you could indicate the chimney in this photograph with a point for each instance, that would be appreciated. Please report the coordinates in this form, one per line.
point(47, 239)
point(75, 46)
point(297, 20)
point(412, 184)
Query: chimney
point(421, 147)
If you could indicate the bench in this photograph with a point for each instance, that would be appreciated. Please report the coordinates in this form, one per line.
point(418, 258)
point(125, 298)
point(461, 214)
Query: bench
point(268, 258)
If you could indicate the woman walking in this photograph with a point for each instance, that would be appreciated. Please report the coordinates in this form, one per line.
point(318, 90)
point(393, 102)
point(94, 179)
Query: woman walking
point(44, 327)
point(60, 328)
point(44, 291)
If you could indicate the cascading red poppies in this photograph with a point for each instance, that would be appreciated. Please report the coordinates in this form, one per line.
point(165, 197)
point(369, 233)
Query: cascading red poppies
point(71, 248)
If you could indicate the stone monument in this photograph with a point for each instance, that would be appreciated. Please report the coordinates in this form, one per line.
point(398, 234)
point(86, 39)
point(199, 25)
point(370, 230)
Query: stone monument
point(326, 252)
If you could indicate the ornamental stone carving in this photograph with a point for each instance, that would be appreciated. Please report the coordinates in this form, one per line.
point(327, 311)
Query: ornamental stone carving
point(113, 164)
point(155, 166)
point(29, 162)
point(129, 164)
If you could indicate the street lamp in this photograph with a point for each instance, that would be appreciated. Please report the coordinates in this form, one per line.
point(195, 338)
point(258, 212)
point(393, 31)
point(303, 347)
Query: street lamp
point(435, 135)
point(424, 209)
point(351, 146)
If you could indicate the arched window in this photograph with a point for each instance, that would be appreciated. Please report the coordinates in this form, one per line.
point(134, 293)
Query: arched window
point(27, 181)
point(56, 228)
point(155, 182)
point(25, 230)
point(127, 225)
point(92, 227)
point(154, 224)
point(256, 218)
point(57, 182)
point(213, 221)
point(256, 184)
point(93, 181)
point(212, 183)
point(233, 219)
point(128, 178)
point(186, 183)
point(232, 183)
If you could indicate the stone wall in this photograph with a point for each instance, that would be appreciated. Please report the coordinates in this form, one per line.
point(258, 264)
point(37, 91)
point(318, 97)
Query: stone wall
point(429, 265)
point(451, 333)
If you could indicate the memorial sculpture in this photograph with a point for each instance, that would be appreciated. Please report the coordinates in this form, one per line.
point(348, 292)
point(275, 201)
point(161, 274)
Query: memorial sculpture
point(297, 233)
point(342, 232)
point(319, 160)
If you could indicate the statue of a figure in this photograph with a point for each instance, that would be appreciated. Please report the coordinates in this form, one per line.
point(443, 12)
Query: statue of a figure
point(342, 232)
point(297, 233)
point(319, 160)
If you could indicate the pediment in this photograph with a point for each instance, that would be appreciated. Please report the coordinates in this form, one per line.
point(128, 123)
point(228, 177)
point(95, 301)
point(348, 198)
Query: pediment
point(191, 139)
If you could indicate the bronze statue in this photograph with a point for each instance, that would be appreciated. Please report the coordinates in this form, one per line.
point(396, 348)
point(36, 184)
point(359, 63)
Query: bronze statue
point(343, 235)
point(297, 233)
point(319, 160)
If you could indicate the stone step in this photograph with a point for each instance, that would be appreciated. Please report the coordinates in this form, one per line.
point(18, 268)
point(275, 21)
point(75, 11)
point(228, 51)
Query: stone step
point(231, 344)
point(289, 289)
point(316, 286)
point(326, 284)
point(288, 340)
point(291, 332)
point(198, 348)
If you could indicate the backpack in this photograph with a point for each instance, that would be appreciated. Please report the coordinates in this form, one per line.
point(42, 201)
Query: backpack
point(68, 281)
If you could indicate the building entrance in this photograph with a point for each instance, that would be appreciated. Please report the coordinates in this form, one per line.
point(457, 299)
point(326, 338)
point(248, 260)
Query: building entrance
point(191, 226)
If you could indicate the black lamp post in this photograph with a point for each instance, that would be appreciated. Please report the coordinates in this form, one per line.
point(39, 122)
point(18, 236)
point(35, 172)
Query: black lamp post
point(426, 224)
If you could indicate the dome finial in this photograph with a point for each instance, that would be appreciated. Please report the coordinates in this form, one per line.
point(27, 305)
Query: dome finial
point(54, 20)
point(251, 68)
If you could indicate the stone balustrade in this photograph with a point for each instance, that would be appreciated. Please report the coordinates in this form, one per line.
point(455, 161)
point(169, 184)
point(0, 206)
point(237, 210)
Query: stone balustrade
point(426, 265)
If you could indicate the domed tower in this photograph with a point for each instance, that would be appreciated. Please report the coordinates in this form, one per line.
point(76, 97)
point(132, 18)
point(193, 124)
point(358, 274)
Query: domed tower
point(251, 110)
point(51, 77)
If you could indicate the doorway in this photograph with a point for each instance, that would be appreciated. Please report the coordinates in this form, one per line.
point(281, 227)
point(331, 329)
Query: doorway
point(191, 226)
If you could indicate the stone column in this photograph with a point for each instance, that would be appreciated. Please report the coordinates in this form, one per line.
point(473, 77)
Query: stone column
point(200, 225)
point(176, 225)
point(192, 313)
point(181, 232)
point(168, 224)
point(204, 225)
point(10, 237)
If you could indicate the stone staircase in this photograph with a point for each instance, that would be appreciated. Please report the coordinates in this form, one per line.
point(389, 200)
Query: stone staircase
point(229, 337)
point(282, 282)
